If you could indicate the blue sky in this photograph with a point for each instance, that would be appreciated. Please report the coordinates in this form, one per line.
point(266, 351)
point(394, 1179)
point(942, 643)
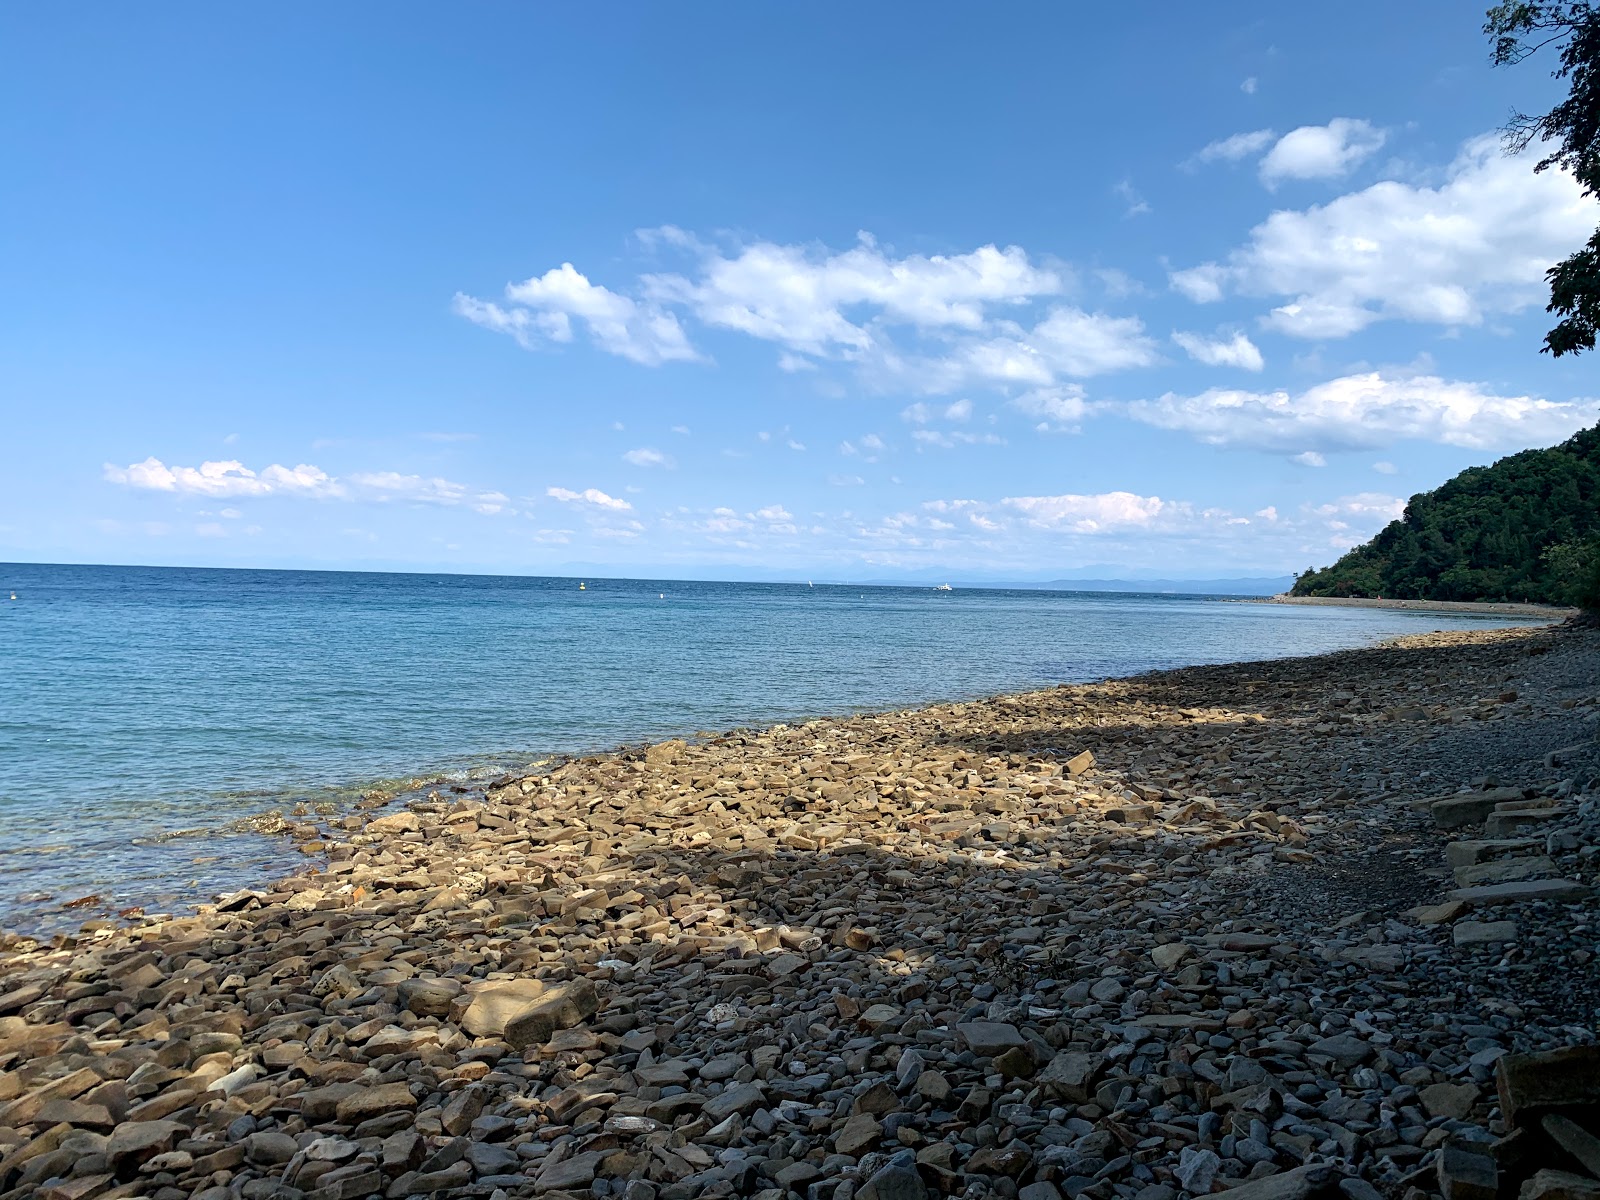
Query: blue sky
point(844, 291)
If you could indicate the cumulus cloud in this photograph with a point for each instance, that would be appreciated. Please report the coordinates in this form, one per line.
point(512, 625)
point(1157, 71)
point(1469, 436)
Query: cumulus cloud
point(542, 309)
point(1366, 411)
point(1477, 245)
point(591, 496)
point(234, 479)
point(949, 439)
point(1059, 409)
point(1237, 351)
point(1232, 149)
point(1092, 513)
point(1321, 151)
point(227, 478)
point(929, 323)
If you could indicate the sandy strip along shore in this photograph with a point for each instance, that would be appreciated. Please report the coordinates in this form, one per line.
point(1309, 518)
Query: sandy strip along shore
point(1149, 938)
point(1504, 609)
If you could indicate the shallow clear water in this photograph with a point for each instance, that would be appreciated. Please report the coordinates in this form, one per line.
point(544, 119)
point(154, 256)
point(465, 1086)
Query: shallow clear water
point(143, 702)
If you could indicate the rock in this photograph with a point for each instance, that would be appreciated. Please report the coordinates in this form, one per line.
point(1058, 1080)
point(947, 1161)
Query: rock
point(1436, 914)
point(1466, 1175)
point(1015, 1063)
point(1531, 1084)
point(400, 822)
point(741, 1098)
point(1170, 954)
point(989, 1038)
point(1079, 762)
point(1452, 1100)
point(136, 1141)
point(1574, 1139)
point(492, 1006)
point(894, 1182)
point(1452, 812)
point(859, 1134)
point(1506, 870)
point(1302, 1183)
point(1345, 1049)
point(1549, 1184)
point(1561, 891)
point(430, 997)
point(560, 1007)
point(1483, 933)
point(1197, 1167)
point(365, 1103)
point(268, 1148)
point(1071, 1076)
point(576, 1171)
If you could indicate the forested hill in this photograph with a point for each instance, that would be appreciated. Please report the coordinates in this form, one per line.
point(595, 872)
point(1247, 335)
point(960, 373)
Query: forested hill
point(1526, 528)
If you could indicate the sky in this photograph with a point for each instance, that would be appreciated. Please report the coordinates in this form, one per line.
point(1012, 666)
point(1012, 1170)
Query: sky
point(763, 291)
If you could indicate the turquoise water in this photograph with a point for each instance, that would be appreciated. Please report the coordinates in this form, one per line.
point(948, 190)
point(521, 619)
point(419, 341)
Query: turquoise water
point(147, 709)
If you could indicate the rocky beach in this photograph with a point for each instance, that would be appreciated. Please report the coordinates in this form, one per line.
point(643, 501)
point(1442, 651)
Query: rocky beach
point(1317, 926)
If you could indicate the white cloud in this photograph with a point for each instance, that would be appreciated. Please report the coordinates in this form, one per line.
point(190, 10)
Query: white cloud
point(1094, 513)
point(1310, 458)
point(961, 410)
point(1385, 468)
point(229, 478)
point(1059, 409)
point(542, 308)
point(1136, 204)
point(1321, 151)
point(683, 429)
point(930, 323)
point(774, 512)
point(1237, 351)
point(1232, 149)
point(1248, 87)
point(798, 296)
point(1477, 245)
point(592, 496)
point(1369, 505)
point(646, 457)
point(1366, 411)
point(948, 439)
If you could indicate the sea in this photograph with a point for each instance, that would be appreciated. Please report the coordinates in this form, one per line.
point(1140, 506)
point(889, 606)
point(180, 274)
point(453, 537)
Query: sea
point(151, 716)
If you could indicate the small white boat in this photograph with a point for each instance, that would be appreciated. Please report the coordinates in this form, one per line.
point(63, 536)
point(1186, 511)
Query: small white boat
point(944, 587)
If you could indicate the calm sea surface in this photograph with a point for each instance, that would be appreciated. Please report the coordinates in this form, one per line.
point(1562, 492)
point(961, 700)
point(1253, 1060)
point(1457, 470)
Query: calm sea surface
point(144, 712)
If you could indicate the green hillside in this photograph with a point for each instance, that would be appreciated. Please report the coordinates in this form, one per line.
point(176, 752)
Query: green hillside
point(1526, 528)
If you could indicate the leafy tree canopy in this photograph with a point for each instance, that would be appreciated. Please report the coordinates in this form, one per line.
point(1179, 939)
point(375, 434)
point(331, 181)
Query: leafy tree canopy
point(1570, 132)
point(1526, 528)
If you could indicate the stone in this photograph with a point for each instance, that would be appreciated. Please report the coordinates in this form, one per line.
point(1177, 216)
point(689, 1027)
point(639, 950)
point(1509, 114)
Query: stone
point(1529, 1085)
point(1301, 1183)
point(989, 1038)
point(134, 1142)
point(896, 1181)
point(1436, 914)
point(576, 1171)
point(365, 1103)
point(1170, 954)
point(1561, 891)
point(268, 1148)
point(1079, 762)
point(1452, 812)
point(560, 1007)
point(858, 1134)
point(401, 822)
point(1574, 1139)
point(1070, 1075)
point(1452, 1100)
point(1015, 1063)
point(1197, 1168)
point(1508, 821)
point(1345, 1049)
point(1549, 1184)
point(429, 997)
point(1483, 933)
point(1506, 870)
point(1464, 1174)
point(742, 1098)
point(492, 1006)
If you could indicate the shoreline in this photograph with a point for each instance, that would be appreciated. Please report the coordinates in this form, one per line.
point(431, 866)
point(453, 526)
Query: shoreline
point(1100, 937)
point(1549, 612)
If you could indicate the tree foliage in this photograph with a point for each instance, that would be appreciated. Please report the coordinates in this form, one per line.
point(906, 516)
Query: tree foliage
point(1570, 136)
point(1526, 528)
